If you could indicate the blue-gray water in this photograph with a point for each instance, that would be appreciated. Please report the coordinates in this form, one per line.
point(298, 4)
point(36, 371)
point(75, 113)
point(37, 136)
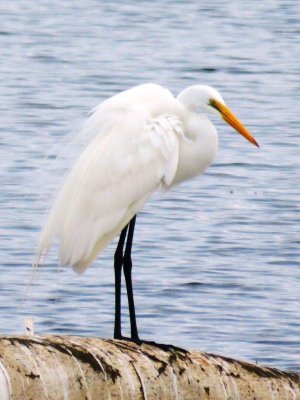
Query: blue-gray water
point(216, 261)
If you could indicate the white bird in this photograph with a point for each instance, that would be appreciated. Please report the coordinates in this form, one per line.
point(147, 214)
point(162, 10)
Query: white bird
point(142, 139)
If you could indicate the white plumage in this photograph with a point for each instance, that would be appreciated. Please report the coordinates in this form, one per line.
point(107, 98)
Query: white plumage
point(139, 140)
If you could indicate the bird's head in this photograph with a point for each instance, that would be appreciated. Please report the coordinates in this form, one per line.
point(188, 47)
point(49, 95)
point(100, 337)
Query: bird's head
point(209, 99)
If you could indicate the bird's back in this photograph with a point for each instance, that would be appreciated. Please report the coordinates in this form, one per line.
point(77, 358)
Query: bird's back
point(133, 149)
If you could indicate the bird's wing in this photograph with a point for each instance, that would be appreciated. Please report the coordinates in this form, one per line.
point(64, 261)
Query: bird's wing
point(132, 155)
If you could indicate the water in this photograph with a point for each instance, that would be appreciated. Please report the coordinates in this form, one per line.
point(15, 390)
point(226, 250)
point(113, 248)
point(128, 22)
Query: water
point(216, 261)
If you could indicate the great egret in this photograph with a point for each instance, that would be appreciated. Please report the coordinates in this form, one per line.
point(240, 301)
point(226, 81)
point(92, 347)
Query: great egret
point(141, 139)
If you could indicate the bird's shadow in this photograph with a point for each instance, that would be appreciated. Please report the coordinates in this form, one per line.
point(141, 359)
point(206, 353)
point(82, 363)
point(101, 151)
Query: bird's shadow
point(161, 346)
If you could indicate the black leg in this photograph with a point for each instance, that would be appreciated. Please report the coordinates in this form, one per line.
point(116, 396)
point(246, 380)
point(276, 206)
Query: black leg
point(118, 262)
point(127, 273)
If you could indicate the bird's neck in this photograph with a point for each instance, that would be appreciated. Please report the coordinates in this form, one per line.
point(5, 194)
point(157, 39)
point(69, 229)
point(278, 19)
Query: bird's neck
point(199, 150)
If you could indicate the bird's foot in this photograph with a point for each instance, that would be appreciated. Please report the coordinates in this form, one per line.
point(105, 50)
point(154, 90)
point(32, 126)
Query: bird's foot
point(135, 340)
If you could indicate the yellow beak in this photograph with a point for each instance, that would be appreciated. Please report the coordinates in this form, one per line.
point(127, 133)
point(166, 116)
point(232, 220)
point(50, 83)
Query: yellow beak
point(229, 117)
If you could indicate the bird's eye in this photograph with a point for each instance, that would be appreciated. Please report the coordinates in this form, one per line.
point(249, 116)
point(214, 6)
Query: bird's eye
point(212, 103)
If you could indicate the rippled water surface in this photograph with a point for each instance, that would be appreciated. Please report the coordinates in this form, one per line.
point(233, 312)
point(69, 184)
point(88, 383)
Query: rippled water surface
point(216, 260)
